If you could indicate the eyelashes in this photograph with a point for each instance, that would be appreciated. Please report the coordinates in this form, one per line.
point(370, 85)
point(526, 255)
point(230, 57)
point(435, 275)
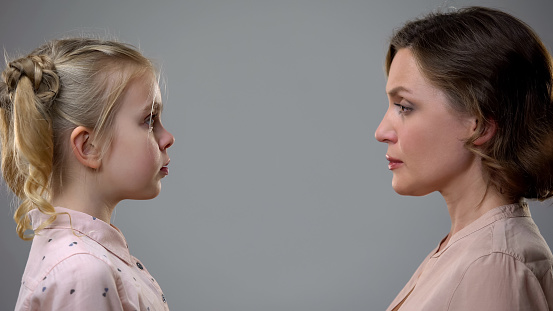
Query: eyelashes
point(150, 120)
point(403, 109)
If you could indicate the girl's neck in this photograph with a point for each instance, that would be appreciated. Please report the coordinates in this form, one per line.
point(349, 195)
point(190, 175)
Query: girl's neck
point(84, 202)
point(81, 191)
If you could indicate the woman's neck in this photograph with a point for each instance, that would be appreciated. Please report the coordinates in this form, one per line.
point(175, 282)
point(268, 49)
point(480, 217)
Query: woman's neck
point(469, 202)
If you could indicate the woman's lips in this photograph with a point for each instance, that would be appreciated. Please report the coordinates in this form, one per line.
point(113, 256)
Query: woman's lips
point(393, 162)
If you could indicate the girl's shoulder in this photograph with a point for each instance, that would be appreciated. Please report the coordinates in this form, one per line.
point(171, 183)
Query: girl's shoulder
point(64, 253)
point(68, 267)
point(77, 279)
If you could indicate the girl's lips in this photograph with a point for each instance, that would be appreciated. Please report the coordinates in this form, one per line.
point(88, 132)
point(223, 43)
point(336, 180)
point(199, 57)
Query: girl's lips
point(393, 162)
point(165, 169)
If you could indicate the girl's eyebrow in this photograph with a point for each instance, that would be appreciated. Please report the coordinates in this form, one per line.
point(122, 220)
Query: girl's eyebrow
point(156, 106)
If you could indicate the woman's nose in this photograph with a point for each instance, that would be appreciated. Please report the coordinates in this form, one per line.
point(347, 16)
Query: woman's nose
point(384, 132)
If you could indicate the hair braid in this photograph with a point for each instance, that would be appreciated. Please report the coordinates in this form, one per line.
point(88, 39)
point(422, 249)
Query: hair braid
point(61, 85)
point(31, 84)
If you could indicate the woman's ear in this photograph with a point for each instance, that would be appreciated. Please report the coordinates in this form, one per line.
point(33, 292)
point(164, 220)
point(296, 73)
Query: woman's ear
point(490, 128)
point(83, 149)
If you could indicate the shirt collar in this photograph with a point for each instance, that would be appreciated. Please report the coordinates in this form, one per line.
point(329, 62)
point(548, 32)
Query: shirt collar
point(109, 236)
point(498, 213)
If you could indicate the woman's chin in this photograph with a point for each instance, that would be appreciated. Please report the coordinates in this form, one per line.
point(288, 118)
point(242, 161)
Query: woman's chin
point(408, 189)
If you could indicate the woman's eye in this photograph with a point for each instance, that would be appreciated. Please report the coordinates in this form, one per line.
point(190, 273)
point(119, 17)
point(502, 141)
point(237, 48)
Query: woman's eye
point(403, 109)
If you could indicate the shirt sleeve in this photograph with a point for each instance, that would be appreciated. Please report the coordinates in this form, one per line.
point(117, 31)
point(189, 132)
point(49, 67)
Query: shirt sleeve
point(547, 285)
point(498, 282)
point(80, 282)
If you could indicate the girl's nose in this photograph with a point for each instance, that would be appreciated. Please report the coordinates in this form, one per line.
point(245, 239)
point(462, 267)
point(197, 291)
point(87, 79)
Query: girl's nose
point(167, 140)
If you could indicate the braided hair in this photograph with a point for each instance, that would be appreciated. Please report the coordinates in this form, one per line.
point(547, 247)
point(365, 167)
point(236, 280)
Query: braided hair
point(45, 95)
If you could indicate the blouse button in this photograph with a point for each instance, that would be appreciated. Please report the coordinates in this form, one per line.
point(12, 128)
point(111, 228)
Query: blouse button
point(139, 265)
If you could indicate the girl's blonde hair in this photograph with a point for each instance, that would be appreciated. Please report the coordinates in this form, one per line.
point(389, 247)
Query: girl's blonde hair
point(44, 96)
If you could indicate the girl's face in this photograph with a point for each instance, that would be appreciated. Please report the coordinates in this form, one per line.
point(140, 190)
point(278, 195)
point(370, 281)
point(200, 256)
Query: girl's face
point(137, 159)
point(425, 137)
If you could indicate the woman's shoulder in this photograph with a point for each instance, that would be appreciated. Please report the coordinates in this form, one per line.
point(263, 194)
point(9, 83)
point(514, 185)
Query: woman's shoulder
point(505, 260)
point(502, 236)
point(520, 238)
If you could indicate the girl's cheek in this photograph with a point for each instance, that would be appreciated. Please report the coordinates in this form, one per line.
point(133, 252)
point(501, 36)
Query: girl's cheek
point(152, 147)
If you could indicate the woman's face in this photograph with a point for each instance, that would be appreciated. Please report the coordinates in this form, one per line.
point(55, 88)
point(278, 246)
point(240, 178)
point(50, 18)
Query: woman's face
point(425, 136)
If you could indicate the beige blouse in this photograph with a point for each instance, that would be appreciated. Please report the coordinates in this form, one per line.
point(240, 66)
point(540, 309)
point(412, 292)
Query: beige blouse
point(498, 262)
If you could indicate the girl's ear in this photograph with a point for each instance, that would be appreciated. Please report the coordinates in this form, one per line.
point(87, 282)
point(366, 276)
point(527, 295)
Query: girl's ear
point(489, 131)
point(83, 149)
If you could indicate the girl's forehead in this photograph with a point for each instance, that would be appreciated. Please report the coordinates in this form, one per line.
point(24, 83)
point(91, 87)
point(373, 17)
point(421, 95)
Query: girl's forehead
point(149, 81)
point(142, 93)
point(155, 92)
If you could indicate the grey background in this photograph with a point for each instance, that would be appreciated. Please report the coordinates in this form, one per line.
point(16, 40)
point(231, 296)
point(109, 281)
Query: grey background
point(279, 198)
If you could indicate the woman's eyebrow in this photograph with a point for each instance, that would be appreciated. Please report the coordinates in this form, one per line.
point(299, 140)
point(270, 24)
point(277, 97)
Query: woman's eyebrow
point(393, 92)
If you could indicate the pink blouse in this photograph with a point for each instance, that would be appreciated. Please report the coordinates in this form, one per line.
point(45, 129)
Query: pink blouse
point(498, 262)
point(87, 268)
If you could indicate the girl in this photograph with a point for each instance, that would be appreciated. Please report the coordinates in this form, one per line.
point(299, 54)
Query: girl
point(471, 116)
point(81, 131)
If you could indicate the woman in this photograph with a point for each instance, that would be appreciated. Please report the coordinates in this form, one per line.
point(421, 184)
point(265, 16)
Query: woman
point(471, 116)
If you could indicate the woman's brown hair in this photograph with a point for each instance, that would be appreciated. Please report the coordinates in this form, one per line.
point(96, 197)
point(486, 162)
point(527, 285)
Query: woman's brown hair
point(494, 67)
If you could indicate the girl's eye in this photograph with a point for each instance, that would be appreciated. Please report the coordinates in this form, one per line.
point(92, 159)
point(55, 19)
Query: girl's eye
point(403, 109)
point(150, 120)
